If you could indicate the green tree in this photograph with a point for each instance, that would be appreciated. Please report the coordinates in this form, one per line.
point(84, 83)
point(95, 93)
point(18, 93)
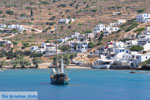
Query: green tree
point(136, 48)
point(31, 12)
point(73, 56)
point(1, 12)
point(20, 60)
point(10, 12)
point(91, 45)
point(36, 61)
point(101, 37)
point(140, 11)
point(2, 63)
point(65, 48)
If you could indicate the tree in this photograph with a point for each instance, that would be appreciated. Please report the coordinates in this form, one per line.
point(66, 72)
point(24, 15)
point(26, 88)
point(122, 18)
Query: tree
point(2, 63)
point(9, 12)
point(10, 55)
point(91, 45)
point(20, 60)
point(66, 60)
point(140, 11)
point(14, 63)
point(31, 12)
point(65, 48)
point(36, 61)
point(72, 56)
point(101, 37)
point(136, 48)
point(1, 12)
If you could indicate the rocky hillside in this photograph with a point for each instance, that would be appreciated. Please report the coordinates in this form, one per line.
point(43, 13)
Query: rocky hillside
point(44, 15)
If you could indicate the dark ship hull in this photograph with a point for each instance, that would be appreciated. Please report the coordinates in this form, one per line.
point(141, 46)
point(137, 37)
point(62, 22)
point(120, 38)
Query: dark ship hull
point(59, 79)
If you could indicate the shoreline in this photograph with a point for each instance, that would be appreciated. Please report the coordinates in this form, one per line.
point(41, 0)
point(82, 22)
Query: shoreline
point(71, 67)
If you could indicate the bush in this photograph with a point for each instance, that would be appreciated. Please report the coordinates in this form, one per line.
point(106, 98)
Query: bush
point(101, 37)
point(26, 44)
point(91, 45)
point(1, 12)
point(50, 23)
point(93, 10)
point(10, 12)
point(65, 48)
point(52, 18)
point(36, 61)
point(140, 11)
point(22, 15)
point(62, 5)
point(15, 43)
point(139, 30)
point(44, 2)
point(136, 48)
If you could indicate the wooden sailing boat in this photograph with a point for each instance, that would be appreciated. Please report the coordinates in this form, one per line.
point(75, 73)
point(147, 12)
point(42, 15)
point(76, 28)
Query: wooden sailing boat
point(58, 76)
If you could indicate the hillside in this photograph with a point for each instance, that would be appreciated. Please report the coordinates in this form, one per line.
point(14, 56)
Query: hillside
point(46, 14)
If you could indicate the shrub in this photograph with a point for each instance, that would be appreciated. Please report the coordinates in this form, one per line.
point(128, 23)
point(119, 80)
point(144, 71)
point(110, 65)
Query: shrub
point(62, 5)
point(91, 45)
point(93, 10)
point(139, 30)
point(1, 12)
point(22, 15)
point(15, 43)
point(65, 48)
point(10, 12)
point(140, 11)
point(44, 2)
point(136, 48)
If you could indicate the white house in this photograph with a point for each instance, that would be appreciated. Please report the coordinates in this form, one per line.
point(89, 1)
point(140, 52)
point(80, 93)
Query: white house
point(99, 28)
point(2, 26)
point(147, 30)
point(119, 44)
point(144, 18)
point(82, 47)
point(79, 46)
point(108, 30)
point(146, 47)
point(119, 22)
point(34, 48)
point(131, 43)
point(64, 21)
point(75, 35)
point(132, 59)
point(19, 27)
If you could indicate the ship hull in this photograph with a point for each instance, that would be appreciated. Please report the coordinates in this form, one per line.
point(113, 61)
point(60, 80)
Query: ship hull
point(59, 79)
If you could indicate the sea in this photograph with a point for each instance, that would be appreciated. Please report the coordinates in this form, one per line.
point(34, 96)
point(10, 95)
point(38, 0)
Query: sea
point(85, 84)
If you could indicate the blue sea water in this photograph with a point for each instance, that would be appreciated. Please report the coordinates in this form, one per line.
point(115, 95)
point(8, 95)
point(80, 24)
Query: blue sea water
point(84, 84)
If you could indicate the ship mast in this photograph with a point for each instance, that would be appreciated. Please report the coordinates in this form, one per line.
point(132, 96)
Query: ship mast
point(56, 47)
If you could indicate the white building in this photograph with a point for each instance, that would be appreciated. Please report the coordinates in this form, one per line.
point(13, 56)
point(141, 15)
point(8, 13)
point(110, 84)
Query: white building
point(79, 46)
point(99, 28)
point(144, 18)
point(2, 26)
point(132, 59)
point(34, 48)
point(119, 22)
point(131, 43)
point(76, 35)
point(146, 47)
point(108, 30)
point(18, 27)
point(66, 21)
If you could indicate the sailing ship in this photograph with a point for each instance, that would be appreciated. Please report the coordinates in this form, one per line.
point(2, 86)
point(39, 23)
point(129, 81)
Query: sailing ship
point(58, 76)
